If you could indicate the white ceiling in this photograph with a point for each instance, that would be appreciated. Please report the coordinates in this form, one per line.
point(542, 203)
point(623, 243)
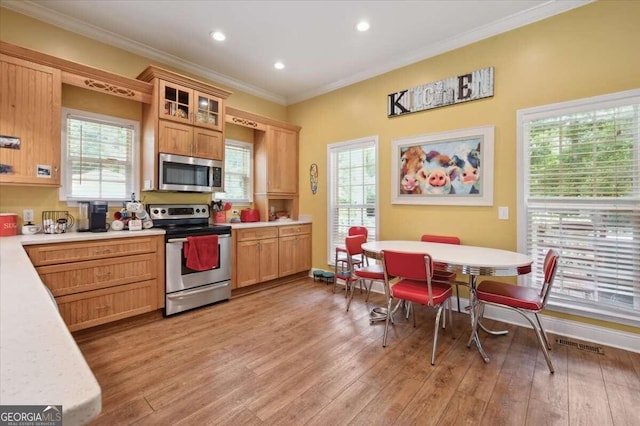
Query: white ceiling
point(316, 40)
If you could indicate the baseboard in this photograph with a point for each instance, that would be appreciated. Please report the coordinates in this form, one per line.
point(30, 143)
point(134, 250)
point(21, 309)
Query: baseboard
point(564, 327)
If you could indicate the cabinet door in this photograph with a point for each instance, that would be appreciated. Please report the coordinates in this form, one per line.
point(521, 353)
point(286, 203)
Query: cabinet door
point(175, 102)
point(208, 111)
point(303, 253)
point(248, 265)
point(282, 154)
point(30, 112)
point(268, 259)
point(174, 138)
point(208, 144)
point(287, 256)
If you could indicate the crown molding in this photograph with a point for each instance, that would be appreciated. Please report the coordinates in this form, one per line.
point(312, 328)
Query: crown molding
point(538, 13)
point(543, 11)
point(37, 11)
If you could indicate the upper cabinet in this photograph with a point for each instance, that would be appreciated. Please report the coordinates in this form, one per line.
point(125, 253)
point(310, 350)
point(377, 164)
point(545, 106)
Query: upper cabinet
point(30, 108)
point(184, 105)
point(185, 117)
point(277, 155)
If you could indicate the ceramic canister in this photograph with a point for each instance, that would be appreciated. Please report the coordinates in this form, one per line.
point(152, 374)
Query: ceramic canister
point(8, 224)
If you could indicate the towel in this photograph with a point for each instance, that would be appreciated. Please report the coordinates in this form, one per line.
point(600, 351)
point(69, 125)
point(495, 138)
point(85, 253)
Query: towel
point(201, 252)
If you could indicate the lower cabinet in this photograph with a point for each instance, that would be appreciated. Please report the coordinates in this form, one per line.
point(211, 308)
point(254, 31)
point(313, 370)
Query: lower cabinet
point(256, 255)
point(98, 281)
point(294, 249)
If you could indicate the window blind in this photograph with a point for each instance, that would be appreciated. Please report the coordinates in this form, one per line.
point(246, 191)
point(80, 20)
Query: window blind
point(237, 171)
point(99, 157)
point(352, 184)
point(582, 197)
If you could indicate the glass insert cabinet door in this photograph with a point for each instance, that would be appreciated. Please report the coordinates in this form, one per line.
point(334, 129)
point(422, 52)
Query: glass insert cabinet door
point(175, 102)
point(208, 111)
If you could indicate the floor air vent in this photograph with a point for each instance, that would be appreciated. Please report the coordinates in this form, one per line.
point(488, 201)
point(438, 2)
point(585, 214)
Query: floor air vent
point(589, 348)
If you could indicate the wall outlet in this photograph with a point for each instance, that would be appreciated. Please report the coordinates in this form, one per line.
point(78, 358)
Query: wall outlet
point(27, 215)
point(235, 212)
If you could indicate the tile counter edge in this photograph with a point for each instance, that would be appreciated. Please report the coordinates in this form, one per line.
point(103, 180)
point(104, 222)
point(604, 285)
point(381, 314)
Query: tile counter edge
point(40, 362)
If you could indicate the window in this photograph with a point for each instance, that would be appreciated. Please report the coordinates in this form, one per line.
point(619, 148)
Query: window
point(353, 194)
point(99, 157)
point(579, 193)
point(238, 167)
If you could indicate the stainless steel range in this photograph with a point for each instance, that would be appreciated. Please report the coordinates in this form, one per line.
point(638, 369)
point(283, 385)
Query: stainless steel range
point(187, 288)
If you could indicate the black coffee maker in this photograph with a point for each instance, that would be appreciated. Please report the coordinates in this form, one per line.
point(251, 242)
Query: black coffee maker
point(92, 216)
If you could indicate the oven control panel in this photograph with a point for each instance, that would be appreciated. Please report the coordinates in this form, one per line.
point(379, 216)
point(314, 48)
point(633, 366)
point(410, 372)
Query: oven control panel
point(178, 211)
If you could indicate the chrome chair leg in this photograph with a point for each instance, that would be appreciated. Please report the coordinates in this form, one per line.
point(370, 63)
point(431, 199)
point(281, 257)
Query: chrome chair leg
point(435, 335)
point(453, 335)
point(544, 333)
point(413, 312)
point(350, 295)
point(386, 323)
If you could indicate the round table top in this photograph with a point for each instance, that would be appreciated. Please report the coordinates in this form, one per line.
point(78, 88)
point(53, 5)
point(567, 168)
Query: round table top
point(471, 260)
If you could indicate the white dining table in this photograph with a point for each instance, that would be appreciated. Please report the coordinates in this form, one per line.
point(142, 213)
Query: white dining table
point(472, 261)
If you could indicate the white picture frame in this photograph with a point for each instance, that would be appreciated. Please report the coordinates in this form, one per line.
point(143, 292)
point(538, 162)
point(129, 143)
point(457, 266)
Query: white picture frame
point(447, 168)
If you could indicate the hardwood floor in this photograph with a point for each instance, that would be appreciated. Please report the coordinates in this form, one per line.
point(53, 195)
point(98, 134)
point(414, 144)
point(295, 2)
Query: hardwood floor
point(292, 355)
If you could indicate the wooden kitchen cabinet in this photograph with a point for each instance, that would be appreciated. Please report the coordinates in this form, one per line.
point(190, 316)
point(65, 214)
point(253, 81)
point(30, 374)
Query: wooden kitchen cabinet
point(276, 157)
point(175, 138)
point(30, 108)
point(99, 281)
point(294, 246)
point(185, 117)
point(256, 255)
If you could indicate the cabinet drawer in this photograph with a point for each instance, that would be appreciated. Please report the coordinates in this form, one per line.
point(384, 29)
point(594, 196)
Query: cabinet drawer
point(257, 233)
point(49, 254)
point(71, 278)
point(286, 231)
point(96, 307)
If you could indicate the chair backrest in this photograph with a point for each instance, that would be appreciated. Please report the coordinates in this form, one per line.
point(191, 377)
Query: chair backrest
point(550, 267)
point(412, 266)
point(428, 238)
point(359, 230)
point(354, 243)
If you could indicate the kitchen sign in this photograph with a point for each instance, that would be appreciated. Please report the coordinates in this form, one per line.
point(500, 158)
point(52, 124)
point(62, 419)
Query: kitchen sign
point(453, 90)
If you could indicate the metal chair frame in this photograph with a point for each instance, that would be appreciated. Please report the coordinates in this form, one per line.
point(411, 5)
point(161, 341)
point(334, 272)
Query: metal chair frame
point(413, 274)
point(550, 268)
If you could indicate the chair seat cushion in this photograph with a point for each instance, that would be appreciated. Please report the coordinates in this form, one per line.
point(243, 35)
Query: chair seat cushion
point(440, 275)
point(417, 291)
point(509, 295)
point(371, 272)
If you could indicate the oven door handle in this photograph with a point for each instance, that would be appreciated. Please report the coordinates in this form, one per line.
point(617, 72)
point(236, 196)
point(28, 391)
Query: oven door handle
point(183, 294)
point(184, 240)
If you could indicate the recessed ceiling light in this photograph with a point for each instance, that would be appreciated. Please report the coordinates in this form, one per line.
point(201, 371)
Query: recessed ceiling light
point(217, 35)
point(278, 65)
point(362, 26)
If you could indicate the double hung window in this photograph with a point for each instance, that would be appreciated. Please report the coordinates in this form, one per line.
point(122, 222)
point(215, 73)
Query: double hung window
point(99, 157)
point(238, 166)
point(353, 193)
point(579, 193)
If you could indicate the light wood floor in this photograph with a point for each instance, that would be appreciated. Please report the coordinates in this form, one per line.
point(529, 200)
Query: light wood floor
point(292, 355)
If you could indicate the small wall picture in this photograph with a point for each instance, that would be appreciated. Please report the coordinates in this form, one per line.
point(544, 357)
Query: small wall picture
point(313, 178)
point(43, 171)
point(448, 168)
point(9, 142)
point(6, 169)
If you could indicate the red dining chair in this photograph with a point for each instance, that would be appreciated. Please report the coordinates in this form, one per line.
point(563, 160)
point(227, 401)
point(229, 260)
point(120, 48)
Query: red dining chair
point(523, 300)
point(440, 274)
point(341, 252)
point(414, 272)
point(361, 273)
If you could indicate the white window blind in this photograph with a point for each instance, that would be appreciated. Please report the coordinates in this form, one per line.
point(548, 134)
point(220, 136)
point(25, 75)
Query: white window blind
point(352, 190)
point(99, 157)
point(238, 166)
point(581, 196)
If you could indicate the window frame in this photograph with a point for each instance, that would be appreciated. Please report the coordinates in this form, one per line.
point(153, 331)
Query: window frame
point(576, 306)
point(134, 187)
point(332, 183)
point(250, 147)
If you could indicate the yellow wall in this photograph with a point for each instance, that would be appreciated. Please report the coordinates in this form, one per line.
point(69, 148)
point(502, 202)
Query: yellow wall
point(585, 52)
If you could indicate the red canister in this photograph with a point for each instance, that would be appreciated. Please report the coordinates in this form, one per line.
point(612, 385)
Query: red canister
point(8, 224)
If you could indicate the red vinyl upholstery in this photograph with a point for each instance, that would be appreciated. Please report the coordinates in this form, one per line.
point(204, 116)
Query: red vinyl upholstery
point(353, 246)
point(414, 272)
point(524, 300)
point(439, 273)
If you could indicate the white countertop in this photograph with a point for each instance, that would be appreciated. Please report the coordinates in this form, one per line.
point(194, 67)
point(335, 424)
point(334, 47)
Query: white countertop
point(243, 225)
point(40, 363)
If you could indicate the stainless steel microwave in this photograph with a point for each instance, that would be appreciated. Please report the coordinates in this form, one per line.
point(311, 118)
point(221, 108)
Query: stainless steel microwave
point(190, 174)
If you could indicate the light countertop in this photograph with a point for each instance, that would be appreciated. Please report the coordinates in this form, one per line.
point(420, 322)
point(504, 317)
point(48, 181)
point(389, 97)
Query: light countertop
point(40, 363)
point(243, 225)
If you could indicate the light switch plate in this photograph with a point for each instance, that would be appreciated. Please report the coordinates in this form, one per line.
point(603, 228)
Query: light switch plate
point(503, 213)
